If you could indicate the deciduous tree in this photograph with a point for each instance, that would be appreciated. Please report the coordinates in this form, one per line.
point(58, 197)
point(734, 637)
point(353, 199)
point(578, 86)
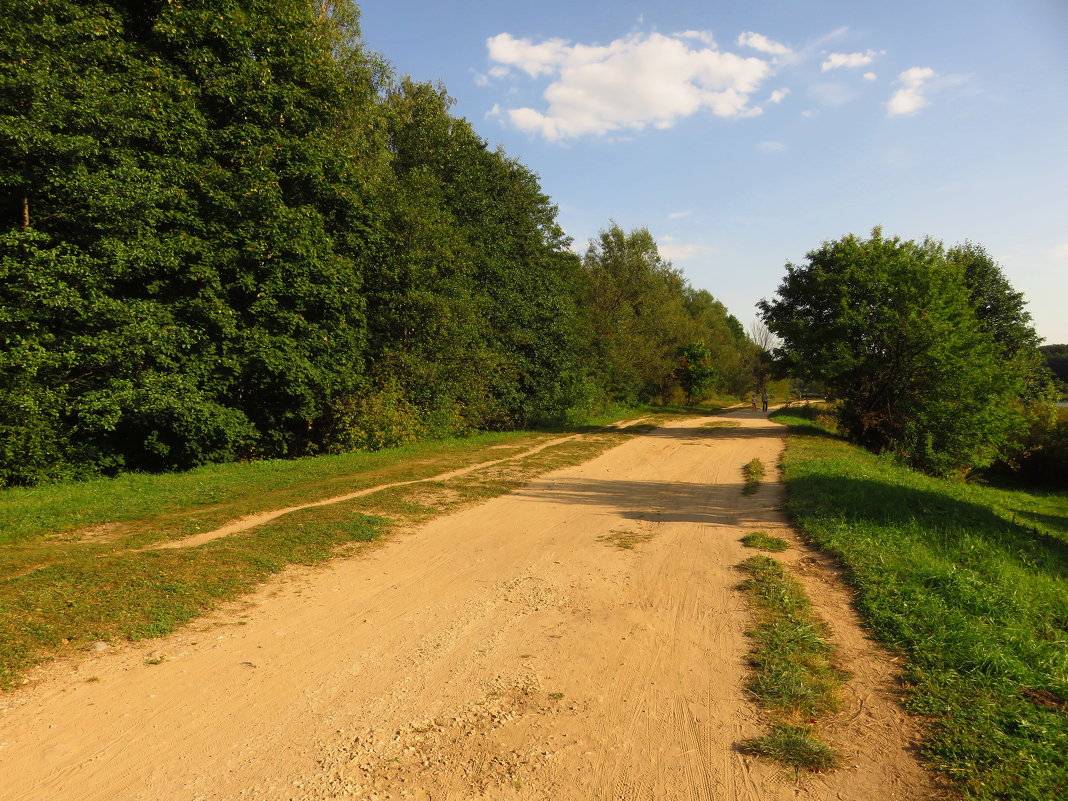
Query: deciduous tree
point(891, 327)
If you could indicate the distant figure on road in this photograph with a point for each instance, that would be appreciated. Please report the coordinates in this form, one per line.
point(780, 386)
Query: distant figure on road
point(764, 399)
point(754, 401)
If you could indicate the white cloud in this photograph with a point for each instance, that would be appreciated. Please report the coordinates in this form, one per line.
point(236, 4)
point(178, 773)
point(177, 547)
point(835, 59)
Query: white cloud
point(778, 95)
point(641, 81)
point(762, 43)
point(869, 76)
point(671, 249)
point(771, 147)
point(675, 215)
point(910, 98)
point(836, 60)
point(533, 59)
point(701, 36)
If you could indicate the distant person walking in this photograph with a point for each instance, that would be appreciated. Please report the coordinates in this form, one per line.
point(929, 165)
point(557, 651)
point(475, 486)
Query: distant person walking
point(754, 401)
point(764, 399)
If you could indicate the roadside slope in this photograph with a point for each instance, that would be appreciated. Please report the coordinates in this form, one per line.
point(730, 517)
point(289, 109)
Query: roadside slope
point(513, 650)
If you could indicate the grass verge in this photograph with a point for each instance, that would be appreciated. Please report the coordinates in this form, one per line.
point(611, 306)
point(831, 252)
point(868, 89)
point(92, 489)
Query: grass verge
point(73, 570)
point(970, 583)
point(792, 675)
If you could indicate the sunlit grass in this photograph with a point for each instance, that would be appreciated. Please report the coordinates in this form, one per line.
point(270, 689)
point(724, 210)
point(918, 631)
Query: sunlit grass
point(63, 587)
point(970, 583)
point(763, 541)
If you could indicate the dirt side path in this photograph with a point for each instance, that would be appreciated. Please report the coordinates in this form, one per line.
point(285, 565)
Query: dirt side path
point(509, 651)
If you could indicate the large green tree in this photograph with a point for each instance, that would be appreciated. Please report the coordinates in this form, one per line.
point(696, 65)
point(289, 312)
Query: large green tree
point(186, 228)
point(892, 329)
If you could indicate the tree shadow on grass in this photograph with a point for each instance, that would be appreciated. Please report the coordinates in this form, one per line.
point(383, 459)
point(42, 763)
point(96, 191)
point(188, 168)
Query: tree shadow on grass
point(951, 525)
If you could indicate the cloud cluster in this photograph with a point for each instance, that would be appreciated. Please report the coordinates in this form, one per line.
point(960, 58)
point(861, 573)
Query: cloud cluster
point(632, 83)
point(910, 98)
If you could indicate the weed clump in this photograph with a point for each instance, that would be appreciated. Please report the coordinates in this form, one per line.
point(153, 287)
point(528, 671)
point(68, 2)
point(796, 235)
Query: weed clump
point(753, 472)
point(763, 541)
point(792, 674)
point(793, 746)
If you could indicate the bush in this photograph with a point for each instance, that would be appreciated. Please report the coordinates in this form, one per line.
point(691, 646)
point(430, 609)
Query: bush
point(1047, 462)
point(382, 418)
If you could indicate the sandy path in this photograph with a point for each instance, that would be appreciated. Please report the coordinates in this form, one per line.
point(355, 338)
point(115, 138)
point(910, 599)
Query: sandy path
point(503, 652)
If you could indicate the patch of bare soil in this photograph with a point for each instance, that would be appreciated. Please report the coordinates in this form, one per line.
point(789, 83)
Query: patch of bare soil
point(512, 650)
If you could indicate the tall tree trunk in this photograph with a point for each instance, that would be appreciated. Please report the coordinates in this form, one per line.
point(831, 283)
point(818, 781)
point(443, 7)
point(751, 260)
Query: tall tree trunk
point(25, 212)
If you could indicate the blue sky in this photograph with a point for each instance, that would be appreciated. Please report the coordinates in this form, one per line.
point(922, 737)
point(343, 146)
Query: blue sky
point(744, 134)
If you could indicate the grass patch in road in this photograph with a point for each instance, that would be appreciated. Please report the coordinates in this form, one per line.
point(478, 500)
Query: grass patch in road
point(792, 675)
point(763, 541)
point(59, 595)
point(624, 540)
point(753, 473)
point(970, 583)
point(721, 424)
point(795, 747)
point(792, 672)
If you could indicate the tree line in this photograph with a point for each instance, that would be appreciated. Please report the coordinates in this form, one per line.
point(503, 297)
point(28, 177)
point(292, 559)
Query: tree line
point(229, 230)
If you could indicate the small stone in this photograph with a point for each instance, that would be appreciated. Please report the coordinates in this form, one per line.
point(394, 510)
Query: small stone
point(100, 645)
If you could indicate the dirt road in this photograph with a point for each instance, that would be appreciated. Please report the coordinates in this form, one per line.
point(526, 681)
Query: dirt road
point(513, 650)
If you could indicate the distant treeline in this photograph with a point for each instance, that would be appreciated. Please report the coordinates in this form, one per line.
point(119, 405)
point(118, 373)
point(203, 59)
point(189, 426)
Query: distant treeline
point(229, 231)
point(1056, 357)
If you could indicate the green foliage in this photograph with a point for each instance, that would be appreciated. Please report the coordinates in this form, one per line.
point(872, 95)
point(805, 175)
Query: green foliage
point(641, 314)
point(969, 583)
point(227, 232)
point(180, 282)
point(373, 420)
point(1045, 460)
point(892, 330)
point(695, 372)
point(1056, 357)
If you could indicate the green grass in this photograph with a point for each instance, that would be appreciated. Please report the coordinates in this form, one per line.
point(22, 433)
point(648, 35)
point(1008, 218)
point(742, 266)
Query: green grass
point(791, 672)
point(753, 472)
point(213, 494)
point(65, 583)
point(763, 541)
point(795, 747)
point(970, 584)
point(791, 656)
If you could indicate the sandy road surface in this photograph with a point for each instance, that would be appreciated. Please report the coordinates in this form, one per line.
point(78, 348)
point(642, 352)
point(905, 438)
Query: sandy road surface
point(508, 651)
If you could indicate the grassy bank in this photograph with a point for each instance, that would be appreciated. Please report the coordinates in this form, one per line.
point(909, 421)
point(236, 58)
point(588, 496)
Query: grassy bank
point(73, 570)
point(970, 583)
